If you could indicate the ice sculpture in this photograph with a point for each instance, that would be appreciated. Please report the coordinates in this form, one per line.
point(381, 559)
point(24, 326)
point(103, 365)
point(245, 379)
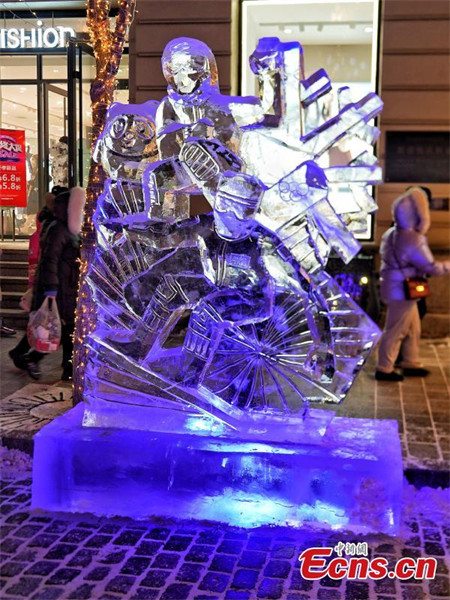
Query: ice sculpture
point(216, 334)
point(268, 330)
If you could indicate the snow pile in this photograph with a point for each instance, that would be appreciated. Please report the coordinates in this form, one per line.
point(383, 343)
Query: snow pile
point(432, 503)
point(14, 463)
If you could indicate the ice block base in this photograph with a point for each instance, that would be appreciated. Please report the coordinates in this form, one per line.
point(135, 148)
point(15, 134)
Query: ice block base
point(351, 479)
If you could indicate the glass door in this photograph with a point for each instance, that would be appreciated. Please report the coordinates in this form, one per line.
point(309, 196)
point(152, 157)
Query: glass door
point(56, 140)
point(34, 99)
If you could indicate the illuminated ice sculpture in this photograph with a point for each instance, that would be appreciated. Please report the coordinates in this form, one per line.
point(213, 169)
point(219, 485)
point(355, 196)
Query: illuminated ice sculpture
point(203, 417)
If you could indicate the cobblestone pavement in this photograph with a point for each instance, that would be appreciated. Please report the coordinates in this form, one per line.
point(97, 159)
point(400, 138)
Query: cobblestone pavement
point(48, 557)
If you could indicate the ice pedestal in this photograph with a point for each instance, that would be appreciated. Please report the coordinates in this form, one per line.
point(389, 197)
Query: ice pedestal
point(187, 468)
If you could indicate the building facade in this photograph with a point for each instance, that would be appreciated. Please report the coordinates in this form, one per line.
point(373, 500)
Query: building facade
point(46, 68)
point(399, 49)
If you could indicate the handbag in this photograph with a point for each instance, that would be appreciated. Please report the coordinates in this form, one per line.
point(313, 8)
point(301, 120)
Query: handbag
point(416, 288)
point(44, 327)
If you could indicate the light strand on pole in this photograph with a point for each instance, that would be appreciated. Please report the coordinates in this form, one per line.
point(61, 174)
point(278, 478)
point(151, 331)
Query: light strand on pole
point(108, 49)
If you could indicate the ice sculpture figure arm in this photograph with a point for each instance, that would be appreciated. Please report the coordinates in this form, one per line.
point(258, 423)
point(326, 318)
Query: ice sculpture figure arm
point(170, 142)
point(237, 201)
point(166, 189)
point(279, 68)
point(172, 133)
point(204, 161)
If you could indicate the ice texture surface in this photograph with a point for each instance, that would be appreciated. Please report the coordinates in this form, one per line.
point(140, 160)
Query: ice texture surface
point(267, 332)
point(193, 468)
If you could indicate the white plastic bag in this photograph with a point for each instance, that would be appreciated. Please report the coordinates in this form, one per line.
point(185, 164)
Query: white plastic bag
point(44, 327)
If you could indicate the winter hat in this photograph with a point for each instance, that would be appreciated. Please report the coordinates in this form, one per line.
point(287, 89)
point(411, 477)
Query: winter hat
point(75, 210)
point(411, 210)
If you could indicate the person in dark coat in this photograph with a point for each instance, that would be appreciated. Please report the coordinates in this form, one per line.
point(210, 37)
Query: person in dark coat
point(57, 274)
point(45, 217)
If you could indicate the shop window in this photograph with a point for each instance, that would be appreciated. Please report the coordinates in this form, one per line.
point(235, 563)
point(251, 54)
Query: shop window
point(36, 94)
point(19, 111)
point(54, 67)
point(17, 67)
point(57, 141)
point(341, 37)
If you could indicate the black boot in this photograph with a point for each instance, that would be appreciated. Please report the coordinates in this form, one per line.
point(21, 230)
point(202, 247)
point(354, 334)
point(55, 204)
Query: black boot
point(67, 374)
point(19, 360)
point(415, 372)
point(392, 376)
point(6, 331)
point(33, 370)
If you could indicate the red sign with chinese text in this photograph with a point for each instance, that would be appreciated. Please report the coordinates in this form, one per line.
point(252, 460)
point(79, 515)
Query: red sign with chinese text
point(13, 168)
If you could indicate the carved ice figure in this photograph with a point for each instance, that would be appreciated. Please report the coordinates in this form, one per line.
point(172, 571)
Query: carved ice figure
point(136, 275)
point(194, 106)
point(269, 331)
point(189, 67)
point(226, 429)
point(125, 147)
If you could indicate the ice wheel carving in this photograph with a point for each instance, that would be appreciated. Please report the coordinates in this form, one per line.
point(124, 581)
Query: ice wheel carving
point(268, 367)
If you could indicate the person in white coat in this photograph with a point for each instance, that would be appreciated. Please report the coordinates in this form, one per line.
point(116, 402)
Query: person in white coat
point(404, 253)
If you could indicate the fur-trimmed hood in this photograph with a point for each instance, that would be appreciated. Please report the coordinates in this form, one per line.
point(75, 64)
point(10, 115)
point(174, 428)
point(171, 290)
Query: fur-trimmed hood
point(411, 211)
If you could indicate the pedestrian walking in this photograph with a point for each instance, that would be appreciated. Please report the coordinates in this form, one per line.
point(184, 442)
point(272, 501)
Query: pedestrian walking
point(406, 260)
point(57, 277)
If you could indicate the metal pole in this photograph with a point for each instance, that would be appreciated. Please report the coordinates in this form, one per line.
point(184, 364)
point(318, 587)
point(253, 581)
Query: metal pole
point(72, 101)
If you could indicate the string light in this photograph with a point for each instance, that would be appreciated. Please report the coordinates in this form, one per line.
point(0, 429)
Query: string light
point(108, 48)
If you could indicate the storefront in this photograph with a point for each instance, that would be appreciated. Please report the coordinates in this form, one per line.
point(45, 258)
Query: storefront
point(46, 67)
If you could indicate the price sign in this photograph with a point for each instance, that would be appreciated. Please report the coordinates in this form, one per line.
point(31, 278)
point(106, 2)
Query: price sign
point(13, 169)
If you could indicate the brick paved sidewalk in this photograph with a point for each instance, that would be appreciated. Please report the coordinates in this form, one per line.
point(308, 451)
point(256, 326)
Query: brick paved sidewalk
point(49, 557)
point(421, 406)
